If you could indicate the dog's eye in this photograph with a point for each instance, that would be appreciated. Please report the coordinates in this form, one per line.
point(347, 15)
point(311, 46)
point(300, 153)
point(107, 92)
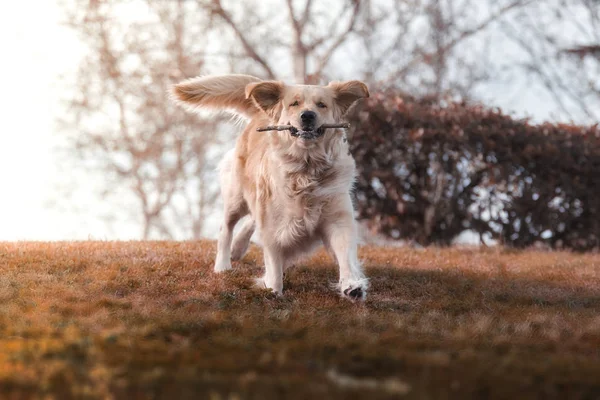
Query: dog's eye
point(321, 105)
point(294, 104)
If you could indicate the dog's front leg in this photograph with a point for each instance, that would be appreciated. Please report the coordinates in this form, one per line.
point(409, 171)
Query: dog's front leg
point(342, 240)
point(273, 278)
point(223, 262)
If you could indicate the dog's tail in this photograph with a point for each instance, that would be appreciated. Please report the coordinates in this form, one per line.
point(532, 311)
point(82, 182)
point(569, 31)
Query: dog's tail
point(226, 92)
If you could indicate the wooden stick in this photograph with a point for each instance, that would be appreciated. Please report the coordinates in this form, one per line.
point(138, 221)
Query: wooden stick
point(290, 127)
point(275, 128)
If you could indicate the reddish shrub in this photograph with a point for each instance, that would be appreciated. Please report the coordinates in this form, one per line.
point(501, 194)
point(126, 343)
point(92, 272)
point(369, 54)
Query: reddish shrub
point(428, 171)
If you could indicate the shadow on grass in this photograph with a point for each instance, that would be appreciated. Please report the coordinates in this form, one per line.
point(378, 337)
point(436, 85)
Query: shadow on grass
point(410, 290)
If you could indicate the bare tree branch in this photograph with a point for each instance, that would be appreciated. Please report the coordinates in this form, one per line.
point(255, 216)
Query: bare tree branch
point(299, 52)
point(252, 53)
point(341, 38)
point(123, 119)
point(460, 38)
point(557, 66)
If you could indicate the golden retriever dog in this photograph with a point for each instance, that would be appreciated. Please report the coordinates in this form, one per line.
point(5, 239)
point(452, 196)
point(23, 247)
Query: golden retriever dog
point(294, 184)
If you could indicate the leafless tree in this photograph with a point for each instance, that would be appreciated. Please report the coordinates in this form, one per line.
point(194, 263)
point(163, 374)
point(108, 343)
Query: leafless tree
point(413, 44)
point(301, 34)
point(122, 122)
point(436, 48)
point(559, 42)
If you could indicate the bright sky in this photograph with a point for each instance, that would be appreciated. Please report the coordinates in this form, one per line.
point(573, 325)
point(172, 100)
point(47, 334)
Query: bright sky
point(26, 73)
point(36, 50)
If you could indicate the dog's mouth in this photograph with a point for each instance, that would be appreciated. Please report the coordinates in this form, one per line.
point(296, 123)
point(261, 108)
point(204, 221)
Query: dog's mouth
point(307, 134)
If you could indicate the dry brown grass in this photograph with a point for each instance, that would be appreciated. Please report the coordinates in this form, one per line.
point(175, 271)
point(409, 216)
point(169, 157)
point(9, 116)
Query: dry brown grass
point(150, 320)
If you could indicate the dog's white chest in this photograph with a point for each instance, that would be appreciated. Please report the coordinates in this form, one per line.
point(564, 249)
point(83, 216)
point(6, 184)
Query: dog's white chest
point(299, 226)
point(301, 218)
point(302, 192)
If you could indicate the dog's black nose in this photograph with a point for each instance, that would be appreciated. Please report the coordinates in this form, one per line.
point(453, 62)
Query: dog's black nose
point(308, 117)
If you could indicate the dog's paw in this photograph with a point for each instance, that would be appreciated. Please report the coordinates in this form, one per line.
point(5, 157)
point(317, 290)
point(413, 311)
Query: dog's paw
point(355, 291)
point(222, 265)
point(260, 284)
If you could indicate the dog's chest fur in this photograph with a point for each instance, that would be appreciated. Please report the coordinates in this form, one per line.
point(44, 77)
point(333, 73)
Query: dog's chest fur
point(306, 186)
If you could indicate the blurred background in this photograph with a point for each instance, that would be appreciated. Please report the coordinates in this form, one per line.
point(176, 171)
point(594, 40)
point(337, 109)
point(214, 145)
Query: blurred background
point(481, 127)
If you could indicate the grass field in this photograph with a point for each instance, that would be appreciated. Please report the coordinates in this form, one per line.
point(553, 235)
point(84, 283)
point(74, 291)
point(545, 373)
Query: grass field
point(149, 320)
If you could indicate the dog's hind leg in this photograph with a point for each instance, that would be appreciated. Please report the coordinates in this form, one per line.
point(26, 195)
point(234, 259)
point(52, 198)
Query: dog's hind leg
point(234, 209)
point(273, 278)
point(241, 240)
point(223, 261)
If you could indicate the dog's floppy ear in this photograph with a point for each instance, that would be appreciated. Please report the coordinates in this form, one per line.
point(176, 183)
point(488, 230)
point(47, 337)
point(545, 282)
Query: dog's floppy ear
point(267, 96)
point(217, 93)
point(346, 93)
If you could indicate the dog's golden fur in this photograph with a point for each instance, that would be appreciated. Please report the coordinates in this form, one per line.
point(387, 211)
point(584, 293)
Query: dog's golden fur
point(296, 190)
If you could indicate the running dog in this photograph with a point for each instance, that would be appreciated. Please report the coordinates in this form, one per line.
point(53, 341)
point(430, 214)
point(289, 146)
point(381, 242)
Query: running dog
point(295, 184)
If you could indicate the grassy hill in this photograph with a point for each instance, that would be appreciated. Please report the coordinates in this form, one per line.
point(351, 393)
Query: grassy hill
point(149, 320)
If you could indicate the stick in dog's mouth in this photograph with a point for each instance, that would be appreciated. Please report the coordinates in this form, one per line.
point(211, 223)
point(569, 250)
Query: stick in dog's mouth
point(304, 134)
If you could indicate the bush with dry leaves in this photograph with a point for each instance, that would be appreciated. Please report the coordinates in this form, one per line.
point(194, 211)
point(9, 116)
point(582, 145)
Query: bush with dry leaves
point(429, 170)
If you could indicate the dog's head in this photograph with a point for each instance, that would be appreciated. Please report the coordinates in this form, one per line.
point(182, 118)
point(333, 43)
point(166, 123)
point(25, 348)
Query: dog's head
point(305, 107)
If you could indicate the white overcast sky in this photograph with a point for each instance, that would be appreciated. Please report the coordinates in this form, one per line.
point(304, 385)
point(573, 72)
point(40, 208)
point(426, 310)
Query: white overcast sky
point(36, 50)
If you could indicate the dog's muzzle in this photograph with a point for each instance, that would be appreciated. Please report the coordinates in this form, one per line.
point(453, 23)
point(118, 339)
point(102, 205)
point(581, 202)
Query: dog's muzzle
point(307, 134)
